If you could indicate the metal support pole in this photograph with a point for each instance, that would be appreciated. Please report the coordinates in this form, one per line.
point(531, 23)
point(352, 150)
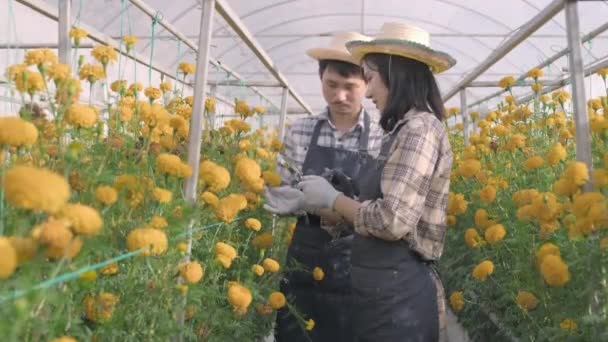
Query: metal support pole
point(65, 46)
point(198, 110)
point(575, 59)
point(212, 93)
point(524, 32)
point(465, 115)
point(283, 113)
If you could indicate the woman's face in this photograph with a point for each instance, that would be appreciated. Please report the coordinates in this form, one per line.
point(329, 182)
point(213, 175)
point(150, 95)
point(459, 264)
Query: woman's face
point(376, 89)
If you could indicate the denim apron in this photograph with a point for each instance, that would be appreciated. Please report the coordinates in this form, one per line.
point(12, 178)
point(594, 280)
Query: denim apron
point(394, 294)
point(328, 302)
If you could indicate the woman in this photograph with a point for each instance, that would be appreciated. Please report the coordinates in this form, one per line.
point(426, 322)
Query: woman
point(400, 215)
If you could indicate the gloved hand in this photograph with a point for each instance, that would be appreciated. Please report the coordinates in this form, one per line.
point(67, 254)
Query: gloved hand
point(318, 192)
point(284, 200)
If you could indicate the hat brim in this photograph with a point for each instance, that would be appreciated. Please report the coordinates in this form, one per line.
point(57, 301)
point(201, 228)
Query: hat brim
point(325, 53)
point(438, 61)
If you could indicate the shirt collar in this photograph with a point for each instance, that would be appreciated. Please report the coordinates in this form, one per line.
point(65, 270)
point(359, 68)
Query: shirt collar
point(360, 121)
point(408, 115)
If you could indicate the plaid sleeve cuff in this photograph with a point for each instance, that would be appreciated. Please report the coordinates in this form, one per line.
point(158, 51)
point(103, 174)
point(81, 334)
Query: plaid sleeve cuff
point(359, 222)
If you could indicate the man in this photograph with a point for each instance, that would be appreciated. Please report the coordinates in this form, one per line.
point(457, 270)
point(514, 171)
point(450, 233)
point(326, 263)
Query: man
point(334, 144)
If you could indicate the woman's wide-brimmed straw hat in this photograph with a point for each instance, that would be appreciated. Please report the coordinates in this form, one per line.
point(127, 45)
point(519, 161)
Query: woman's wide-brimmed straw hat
point(402, 40)
point(336, 50)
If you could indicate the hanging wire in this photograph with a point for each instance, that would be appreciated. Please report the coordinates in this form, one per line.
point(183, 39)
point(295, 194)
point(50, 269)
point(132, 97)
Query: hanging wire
point(122, 11)
point(157, 17)
point(179, 49)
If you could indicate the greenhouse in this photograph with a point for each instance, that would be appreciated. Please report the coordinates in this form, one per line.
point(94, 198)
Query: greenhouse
point(303, 170)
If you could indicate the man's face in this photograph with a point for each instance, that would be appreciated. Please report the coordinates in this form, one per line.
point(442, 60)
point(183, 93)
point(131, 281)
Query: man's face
point(342, 94)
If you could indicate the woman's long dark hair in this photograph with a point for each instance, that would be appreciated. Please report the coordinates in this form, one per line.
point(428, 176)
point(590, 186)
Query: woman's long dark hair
point(410, 84)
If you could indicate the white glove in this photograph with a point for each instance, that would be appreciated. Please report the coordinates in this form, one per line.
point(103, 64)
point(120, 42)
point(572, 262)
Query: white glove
point(318, 192)
point(284, 200)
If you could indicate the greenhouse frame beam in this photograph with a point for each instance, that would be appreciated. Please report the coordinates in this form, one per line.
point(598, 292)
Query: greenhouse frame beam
point(51, 13)
point(575, 61)
point(465, 115)
point(237, 83)
point(27, 46)
point(524, 32)
point(283, 113)
point(490, 84)
point(591, 35)
point(64, 49)
point(198, 107)
point(233, 20)
point(151, 12)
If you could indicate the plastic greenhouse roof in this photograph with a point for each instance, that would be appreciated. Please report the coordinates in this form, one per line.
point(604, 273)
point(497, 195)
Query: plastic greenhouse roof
point(469, 30)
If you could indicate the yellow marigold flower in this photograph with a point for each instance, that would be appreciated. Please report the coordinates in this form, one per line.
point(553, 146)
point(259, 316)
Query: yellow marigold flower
point(129, 41)
point(39, 189)
point(25, 247)
point(239, 297)
point(482, 220)
point(533, 163)
point(535, 73)
point(110, 269)
point(104, 54)
point(64, 339)
point(158, 222)
point(247, 170)
point(506, 82)
point(186, 68)
point(469, 168)
point(172, 165)
point(68, 252)
point(487, 194)
point(91, 73)
point(242, 108)
point(576, 172)
point(183, 289)
point(526, 300)
point(457, 301)
point(215, 177)
point(222, 248)
point(238, 125)
point(81, 116)
point(524, 197)
point(483, 270)
point(276, 145)
point(106, 195)
point(210, 105)
point(152, 93)
point(564, 187)
point(451, 220)
point(556, 154)
point(77, 34)
point(555, 271)
point(545, 250)
point(245, 145)
point(277, 300)
point(310, 324)
point(40, 57)
point(253, 224)
point(270, 265)
point(223, 260)
point(537, 87)
point(210, 198)
point(165, 86)
point(472, 238)
point(495, 233)
point(59, 72)
point(100, 308)
point(456, 204)
point(182, 247)
point(84, 220)
point(257, 270)
point(262, 153)
point(8, 258)
point(29, 82)
point(318, 274)
point(192, 272)
point(568, 325)
point(259, 110)
point(162, 195)
point(17, 132)
point(263, 241)
point(560, 96)
point(271, 178)
point(229, 207)
point(143, 237)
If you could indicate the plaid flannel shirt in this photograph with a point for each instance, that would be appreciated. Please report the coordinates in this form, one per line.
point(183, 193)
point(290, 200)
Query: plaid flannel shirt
point(298, 137)
point(415, 185)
